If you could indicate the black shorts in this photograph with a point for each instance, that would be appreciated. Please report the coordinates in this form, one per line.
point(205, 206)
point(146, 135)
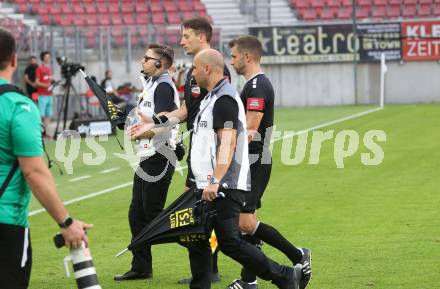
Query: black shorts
point(15, 256)
point(260, 175)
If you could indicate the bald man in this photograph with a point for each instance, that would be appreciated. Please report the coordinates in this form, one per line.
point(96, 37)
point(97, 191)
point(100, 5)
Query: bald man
point(220, 163)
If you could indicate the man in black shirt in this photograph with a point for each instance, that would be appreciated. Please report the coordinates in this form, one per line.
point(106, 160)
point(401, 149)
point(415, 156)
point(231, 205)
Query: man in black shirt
point(258, 99)
point(29, 76)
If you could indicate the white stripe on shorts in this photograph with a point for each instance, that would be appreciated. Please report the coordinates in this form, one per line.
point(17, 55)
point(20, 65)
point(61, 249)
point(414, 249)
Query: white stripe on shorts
point(25, 247)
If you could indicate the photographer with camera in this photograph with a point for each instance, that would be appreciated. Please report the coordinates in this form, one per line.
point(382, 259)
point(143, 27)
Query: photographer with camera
point(43, 79)
point(156, 168)
point(22, 169)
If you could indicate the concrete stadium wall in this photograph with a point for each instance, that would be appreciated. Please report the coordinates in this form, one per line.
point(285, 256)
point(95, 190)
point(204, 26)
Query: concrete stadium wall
point(333, 84)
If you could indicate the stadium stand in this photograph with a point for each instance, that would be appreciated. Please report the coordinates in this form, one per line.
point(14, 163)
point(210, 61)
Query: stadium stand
point(328, 10)
point(120, 15)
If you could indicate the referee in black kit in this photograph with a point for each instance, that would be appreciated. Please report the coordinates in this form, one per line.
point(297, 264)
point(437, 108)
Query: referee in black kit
point(258, 99)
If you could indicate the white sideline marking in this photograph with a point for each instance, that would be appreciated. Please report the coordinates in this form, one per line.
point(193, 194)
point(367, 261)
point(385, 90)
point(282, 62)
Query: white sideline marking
point(89, 196)
point(80, 178)
point(108, 170)
point(328, 123)
point(92, 195)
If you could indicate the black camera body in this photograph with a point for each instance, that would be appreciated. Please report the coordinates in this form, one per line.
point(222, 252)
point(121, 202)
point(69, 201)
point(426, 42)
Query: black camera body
point(68, 69)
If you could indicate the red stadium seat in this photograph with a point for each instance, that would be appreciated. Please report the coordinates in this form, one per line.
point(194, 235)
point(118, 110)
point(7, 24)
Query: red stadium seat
point(173, 37)
point(174, 18)
point(333, 3)
point(424, 10)
point(380, 2)
point(309, 14)
point(318, 3)
point(78, 9)
point(406, 2)
point(425, 1)
point(363, 12)
point(126, 8)
point(54, 10)
point(113, 8)
point(347, 3)
point(23, 8)
point(116, 19)
point(92, 20)
point(156, 7)
point(141, 8)
point(393, 11)
point(187, 14)
point(142, 19)
point(301, 4)
point(364, 2)
point(90, 9)
point(158, 18)
point(409, 11)
point(80, 20)
point(378, 12)
point(327, 14)
point(42, 10)
point(66, 8)
point(184, 5)
point(104, 19)
point(199, 6)
point(344, 13)
point(128, 19)
point(436, 10)
point(170, 6)
point(395, 2)
point(102, 8)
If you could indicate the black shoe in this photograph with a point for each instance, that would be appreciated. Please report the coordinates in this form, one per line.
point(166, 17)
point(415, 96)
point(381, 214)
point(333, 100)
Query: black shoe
point(132, 275)
point(294, 278)
point(306, 268)
point(215, 277)
point(238, 284)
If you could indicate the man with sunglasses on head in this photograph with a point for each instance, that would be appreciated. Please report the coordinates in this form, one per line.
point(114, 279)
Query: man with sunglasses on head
point(157, 159)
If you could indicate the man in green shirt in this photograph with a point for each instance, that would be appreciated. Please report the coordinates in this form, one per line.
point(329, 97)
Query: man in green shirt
point(20, 143)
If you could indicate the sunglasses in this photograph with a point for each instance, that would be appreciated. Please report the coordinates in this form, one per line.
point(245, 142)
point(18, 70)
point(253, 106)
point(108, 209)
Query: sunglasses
point(146, 58)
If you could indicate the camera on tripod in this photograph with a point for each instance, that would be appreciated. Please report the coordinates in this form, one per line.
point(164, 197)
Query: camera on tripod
point(68, 69)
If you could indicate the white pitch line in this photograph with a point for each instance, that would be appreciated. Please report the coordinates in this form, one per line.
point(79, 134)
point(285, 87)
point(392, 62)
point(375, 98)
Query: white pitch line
point(92, 195)
point(80, 178)
point(328, 123)
point(109, 170)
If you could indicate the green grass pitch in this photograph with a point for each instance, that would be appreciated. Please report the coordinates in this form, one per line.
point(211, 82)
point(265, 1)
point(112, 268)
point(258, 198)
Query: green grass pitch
point(367, 226)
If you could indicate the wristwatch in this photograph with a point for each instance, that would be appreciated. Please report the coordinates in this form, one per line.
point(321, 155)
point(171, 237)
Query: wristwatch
point(66, 223)
point(213, 181)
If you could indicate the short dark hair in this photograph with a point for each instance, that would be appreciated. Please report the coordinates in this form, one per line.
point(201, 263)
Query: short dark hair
point(42, 54)
point(32, 57)
point(164, 51)
point(7, 47)
point(248, 43)
point(200, 25)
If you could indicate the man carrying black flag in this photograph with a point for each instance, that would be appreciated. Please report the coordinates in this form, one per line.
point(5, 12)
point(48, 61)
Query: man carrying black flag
point(153, 176)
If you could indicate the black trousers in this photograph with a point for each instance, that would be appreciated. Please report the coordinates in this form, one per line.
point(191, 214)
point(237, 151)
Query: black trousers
point(150, 189)
point(15, 256)
point(232, 245)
